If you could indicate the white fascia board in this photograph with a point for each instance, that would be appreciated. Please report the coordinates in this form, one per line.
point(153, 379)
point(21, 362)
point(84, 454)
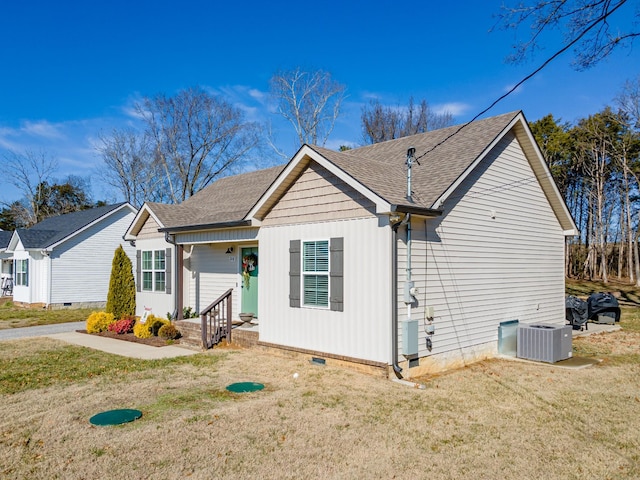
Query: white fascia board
point(128, 236)
point(13, 242)
point(89, 225)
point(568, 223)
point(299, 161)
point(548, 185)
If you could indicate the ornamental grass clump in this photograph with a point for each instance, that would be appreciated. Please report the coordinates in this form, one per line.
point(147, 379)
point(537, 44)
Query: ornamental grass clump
point(99, 322)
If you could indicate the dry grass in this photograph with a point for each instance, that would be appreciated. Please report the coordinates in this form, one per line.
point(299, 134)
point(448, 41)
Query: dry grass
point(13, 316)
point(496, 419)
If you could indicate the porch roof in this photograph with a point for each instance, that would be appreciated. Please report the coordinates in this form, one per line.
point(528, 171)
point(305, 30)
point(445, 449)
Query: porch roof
point(223, 204)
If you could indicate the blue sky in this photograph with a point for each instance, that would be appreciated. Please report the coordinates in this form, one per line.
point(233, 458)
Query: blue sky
point(71, 70)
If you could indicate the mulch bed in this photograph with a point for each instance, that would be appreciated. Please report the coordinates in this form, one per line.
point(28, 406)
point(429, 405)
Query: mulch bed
point(130, 337)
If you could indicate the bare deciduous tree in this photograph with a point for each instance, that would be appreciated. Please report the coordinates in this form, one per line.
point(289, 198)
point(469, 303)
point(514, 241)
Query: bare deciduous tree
point(310, 101)
point(587, 27)
point(28, 171)
point(189, 140)
point(628, 100)
point(196, 137)
point(380, 123)
point(129, 166)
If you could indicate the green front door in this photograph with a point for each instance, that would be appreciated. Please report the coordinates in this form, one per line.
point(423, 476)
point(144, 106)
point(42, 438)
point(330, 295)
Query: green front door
point(249, 272)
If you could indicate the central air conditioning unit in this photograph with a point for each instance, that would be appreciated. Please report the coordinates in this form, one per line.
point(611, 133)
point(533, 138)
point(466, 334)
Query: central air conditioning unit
point(544, 343)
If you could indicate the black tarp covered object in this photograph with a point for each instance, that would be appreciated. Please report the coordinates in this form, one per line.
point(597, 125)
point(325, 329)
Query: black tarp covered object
point(603, 304)
point(576, 311)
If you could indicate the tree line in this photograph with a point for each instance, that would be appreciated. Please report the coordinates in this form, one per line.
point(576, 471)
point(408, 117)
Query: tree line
point(596, 166)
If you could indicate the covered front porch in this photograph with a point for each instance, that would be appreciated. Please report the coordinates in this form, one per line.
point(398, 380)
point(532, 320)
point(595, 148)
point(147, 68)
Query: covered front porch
point(218, 287)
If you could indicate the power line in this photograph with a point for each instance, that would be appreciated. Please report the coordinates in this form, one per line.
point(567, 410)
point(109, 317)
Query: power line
point(528, 77)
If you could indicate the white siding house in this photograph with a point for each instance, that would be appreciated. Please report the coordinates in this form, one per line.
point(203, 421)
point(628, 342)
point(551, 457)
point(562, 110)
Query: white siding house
point(65, 261)
point(352, 254)
point(6, 264)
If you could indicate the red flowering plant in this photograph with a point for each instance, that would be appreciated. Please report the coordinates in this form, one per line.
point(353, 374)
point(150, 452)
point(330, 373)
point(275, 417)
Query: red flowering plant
point(124, 325)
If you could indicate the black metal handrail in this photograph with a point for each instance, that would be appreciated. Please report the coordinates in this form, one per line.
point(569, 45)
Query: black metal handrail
point(215, 320)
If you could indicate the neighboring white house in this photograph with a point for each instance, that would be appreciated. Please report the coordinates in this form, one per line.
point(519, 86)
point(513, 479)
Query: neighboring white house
point(6, 264)
point(65, 261)
point(360, 261)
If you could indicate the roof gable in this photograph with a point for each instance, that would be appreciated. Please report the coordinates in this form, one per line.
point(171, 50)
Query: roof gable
point(52, 231)
point(447, 156)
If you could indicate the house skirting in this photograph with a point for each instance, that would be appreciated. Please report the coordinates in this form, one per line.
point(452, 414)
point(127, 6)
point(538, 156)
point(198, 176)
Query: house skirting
point(451, 360)
point(365, 366)
point(63, 306)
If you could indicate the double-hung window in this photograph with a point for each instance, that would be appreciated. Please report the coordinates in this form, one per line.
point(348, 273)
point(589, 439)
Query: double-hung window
point(22, 272)
point(315, 273)
point(153, 270)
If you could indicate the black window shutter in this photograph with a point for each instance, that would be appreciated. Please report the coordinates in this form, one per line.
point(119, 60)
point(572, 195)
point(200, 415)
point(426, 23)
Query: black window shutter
point(167, 269)
point(336, 295)
point(26, 282)
point(294, 273)
point(138, 269)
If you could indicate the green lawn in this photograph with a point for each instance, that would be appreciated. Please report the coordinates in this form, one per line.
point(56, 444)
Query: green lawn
point(12, 316)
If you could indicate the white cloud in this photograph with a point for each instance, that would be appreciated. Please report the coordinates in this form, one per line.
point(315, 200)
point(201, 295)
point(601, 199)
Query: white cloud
point(42, 129)
point(518, 90)
point(454, 108)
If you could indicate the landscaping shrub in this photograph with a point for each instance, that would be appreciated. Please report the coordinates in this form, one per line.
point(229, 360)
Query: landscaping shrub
point(124, 325)
point(169, 331)
point(121, 299)
point(150, 327)
point(141, 330)
point(99, 322)
point(156, 325)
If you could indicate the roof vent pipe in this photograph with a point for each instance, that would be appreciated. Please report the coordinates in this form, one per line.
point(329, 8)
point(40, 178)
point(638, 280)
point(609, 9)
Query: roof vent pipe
point(410, 159)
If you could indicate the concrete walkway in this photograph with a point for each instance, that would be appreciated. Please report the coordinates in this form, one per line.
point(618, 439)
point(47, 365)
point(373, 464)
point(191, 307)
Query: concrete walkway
point(66, 332)
point(40, 330)
point(595, 328)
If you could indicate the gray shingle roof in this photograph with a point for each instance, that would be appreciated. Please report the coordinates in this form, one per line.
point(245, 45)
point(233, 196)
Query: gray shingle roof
point(54, 229)
point(226, 200)
point(5, 236)
point(381, 166)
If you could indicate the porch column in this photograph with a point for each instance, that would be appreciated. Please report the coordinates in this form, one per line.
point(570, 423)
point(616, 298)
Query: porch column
point(180, 281)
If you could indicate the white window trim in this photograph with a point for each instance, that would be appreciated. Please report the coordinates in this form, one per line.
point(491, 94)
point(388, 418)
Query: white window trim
point(304, 273)
point(21, 274)
point(153, 270)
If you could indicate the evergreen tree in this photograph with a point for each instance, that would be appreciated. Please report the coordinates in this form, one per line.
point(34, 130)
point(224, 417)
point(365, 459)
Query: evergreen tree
point(121, 299)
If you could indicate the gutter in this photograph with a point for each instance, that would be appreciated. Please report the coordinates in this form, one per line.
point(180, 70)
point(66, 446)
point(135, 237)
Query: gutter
point(207, 226)
point(394, 295)
point(420, 211)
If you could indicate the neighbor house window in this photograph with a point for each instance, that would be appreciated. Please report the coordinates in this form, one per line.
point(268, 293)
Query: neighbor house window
point(315, 273)
point(22, 272)
point(153, 270)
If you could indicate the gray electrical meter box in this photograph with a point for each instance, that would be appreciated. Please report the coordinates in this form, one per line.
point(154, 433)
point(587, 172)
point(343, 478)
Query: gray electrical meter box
point(410, 337)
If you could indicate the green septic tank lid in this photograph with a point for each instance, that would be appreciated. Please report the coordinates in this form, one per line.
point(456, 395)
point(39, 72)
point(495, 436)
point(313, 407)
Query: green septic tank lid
point(115, 417)
point(243, 387)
